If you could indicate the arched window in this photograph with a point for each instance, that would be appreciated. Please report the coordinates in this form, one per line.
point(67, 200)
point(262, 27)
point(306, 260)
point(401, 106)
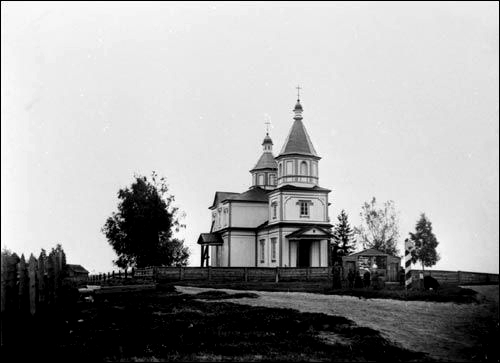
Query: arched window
point(315, 169)
point(272, 180)
point(274, 208)
point(289, 167)
point(303, 168)
point(261, 179)
point(281, 170)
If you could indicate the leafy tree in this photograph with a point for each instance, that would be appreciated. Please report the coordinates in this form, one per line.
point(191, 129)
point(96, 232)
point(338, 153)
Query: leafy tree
point(343, 237)
point(425, 243)
point(379, 228)
point(141, 230)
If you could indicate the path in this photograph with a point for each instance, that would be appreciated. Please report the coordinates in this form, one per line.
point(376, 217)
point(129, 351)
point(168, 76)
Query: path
point(446, 331)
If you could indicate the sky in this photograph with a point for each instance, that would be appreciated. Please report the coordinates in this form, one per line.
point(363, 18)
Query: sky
point(400, 101)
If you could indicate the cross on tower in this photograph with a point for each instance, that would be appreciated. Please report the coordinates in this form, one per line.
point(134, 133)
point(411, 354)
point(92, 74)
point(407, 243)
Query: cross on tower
point(267, 123)
point(298, 91)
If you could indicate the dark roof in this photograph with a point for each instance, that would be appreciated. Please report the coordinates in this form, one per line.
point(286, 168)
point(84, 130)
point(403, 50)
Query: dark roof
point(298, 106)
point(371, 252)
point(251, 195)
point(293, 187)
point(77, 268)
point(210, 239)
point(301, 231)
point(298, 141)
point(266, 161)
point(267, 140)
point(220, 196)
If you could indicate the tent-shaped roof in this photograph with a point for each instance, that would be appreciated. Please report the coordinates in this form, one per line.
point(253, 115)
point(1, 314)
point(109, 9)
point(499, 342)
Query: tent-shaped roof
point(266, 161)
point(298, 141)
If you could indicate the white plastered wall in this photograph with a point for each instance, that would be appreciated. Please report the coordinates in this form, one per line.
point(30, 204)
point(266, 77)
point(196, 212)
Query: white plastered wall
point(242, 249)
point(248, 214)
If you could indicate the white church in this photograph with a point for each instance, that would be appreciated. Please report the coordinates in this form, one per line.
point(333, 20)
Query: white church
point(282, 219)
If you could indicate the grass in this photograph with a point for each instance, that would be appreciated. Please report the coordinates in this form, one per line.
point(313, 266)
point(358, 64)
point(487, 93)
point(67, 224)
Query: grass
point(166, 325)
point(447, 293)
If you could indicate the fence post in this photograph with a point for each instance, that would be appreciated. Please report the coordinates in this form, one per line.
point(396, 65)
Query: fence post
point(4, 282)
point(23, 285)
point(42, 290)
point(307, 273)
point(181, 273)
point(33, 264)
point(277, 274)
point(245, 273)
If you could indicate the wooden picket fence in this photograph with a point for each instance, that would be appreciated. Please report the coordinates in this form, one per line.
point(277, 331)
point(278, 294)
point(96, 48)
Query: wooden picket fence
point(30, 285)
point(244, 274)
point(101, 278)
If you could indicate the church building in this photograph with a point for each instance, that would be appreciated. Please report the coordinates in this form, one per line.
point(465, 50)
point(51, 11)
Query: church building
point(282, 219)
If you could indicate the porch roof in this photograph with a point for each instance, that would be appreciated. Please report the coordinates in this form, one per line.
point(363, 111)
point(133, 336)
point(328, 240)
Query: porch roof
point(310, 232)
point(210, 239)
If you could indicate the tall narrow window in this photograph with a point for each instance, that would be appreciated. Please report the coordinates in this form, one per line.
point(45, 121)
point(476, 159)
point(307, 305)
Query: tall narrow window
point(304, 209)
point(272, 180)
point(262, 250)
point(281, 170)
point(303, 168)
point(273, 249)
point(274, 208)
point(261, 179)
point(289, 167)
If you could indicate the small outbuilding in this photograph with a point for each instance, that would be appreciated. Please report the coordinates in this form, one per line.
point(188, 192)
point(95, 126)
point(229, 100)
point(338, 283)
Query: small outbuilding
point(371, 260)
point(77, 273)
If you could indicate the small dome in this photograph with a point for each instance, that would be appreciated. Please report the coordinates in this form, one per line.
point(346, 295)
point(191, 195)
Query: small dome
point(267, 140)
point(298, 106)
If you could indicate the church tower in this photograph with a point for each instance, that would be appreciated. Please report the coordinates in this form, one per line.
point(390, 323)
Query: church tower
point(264, 172)
point(298, 160)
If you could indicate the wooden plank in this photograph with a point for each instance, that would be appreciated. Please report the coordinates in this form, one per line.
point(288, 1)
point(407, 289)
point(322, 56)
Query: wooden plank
point(22, 272)
point(32, 272)
point(4, 281)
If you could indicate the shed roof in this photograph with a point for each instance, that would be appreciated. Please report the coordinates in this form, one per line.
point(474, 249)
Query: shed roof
point(210, 239)
point(371, 252)
point(77, 268)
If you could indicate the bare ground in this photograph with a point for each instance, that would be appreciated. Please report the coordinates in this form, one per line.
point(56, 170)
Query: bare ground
point(446, 331)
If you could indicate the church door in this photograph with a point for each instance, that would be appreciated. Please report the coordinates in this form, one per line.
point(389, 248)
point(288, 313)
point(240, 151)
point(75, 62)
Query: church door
point(304, 254)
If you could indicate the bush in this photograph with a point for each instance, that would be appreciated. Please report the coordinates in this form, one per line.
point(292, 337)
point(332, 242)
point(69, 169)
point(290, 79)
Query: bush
point(430, 283)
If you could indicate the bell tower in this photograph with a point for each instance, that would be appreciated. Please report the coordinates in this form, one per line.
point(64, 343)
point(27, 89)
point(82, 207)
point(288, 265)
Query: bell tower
point(298, 160)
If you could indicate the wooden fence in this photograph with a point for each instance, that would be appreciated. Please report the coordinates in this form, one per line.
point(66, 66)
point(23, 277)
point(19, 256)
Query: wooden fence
point(111, 276)
point(233, 274)
point(30, 285)
point(458, 277)
point(271, 274)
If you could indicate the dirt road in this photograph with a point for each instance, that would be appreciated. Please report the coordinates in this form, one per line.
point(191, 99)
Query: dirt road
point(446, 331)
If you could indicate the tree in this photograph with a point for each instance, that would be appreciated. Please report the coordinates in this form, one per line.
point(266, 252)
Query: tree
point(343, 241)
point(142, 229)
point(379, 228)
point(425, 243)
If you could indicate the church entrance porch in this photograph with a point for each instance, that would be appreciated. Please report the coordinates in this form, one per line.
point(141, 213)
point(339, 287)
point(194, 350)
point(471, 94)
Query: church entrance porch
point(307, 252)
point(304, 253)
